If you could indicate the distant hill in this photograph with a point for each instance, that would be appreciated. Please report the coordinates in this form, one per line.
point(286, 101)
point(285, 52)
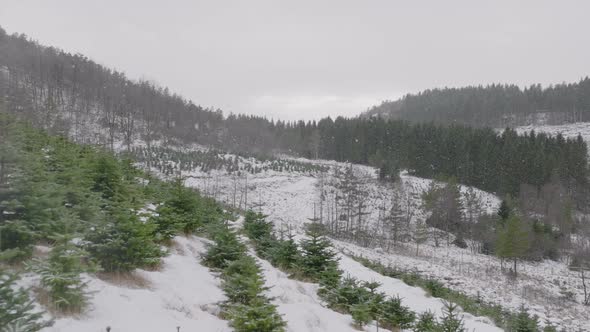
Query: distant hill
point(495, 105)
point(71, 95)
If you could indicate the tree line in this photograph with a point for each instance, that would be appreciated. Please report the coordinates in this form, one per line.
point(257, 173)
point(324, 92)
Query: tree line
point(479, 157)
point(495, 105)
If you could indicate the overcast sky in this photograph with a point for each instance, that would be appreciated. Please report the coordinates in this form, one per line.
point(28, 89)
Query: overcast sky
point(309, 59)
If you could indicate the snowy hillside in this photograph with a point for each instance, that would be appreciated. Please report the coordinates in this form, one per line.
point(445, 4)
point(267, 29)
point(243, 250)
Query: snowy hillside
point(182, 292)
point(290, 199)
point(571, 130)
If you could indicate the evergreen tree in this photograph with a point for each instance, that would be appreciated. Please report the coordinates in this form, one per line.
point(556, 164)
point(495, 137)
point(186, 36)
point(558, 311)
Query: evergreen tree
point(505, 209)
point(107, 176)
point(426, 323)
point(450, 321)
point(260, 231)
point(285, 253)
point(226, 249)
point(317, 255)
point(60, 275)
point(241, 281)
point(17, 310)
point(345, 294)
point(16, 240)
point(524, 322)
point(395, 222)
point(180, 211)
point(121, 242)
point(395, 315)
point(256, 226)
point(513, 240)
point(445, 208)
point(259, 316)
point(361, 314)
point(329, 278)
point(16, 237)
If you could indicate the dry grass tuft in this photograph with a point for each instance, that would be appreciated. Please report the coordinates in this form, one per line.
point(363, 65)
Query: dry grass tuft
point(125, 279)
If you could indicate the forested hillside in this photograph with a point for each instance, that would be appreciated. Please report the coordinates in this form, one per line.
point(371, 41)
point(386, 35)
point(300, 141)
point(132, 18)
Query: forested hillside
point(63, 92)
point(495, 105)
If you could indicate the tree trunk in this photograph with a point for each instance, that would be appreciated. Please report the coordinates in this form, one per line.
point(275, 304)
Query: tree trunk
point(515, 267)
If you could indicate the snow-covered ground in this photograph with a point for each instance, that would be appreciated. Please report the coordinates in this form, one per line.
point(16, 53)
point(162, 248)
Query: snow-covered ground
point(290, 199)
point(181, 293)
point(571, 130)
point(539, 286)
point(300, 305)
point(414, 298)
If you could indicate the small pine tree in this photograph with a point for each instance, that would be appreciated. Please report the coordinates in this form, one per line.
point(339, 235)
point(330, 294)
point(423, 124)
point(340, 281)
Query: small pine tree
point(107, 176)
point(329, 279)
point(181, 211)
point(241, 281)
point(16, 240)
point(285, 254)
point(450, 321)
point(513, 240)
point(395, 221)
point(317, 255)
point(226, 249)
point(260, 231)
point(168, 223)
point(426, 323)
point(361, 314)
point(17, 310)
point(121, 242)
point(259, 316)
point(524, 322)
point(60, 275)
point(395, 315)
point(341, 297)
point(256, 226)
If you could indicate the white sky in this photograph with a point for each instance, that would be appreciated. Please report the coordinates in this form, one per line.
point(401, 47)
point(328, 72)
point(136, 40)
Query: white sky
point(312, 58)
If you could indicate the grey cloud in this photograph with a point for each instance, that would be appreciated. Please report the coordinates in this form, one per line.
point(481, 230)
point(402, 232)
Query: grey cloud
point(309, 59)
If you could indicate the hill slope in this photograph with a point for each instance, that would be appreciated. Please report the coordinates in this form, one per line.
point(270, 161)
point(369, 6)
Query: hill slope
point(493, 105)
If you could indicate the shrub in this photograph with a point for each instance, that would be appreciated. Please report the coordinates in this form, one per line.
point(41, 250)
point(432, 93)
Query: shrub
point(395, 315)
point(60, 275)
point(435, 288)
point(426, 323)
point(121, 242)
point(361, 314)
